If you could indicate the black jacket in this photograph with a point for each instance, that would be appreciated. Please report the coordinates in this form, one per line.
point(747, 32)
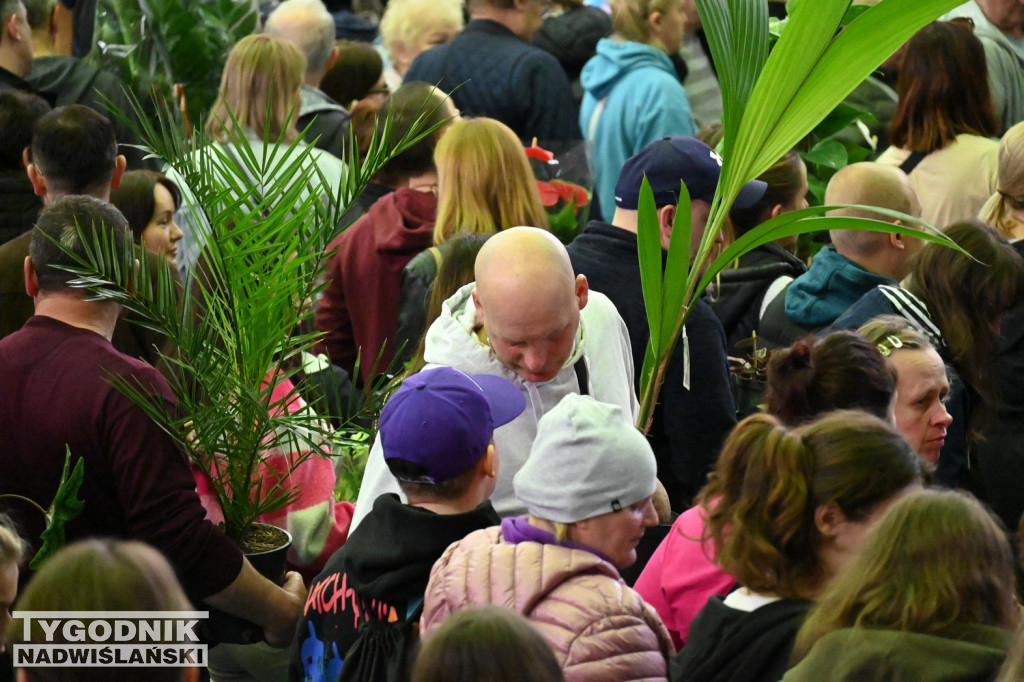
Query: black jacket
point(689, 425)
point(19, 205)
point(379, 574)
point(739, 292)
point(491, 72)
point(728, 645)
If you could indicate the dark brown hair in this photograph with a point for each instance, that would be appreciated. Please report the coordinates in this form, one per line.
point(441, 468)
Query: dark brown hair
point(134, 198)
point(761, 499)
point(943, 89)
point(966, 298)
point(784, 179)
point(841, 371)
point(356, 71)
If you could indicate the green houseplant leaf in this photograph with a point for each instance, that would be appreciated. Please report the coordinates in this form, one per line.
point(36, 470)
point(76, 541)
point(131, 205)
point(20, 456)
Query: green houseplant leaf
point(771, 101)
point(65, 507)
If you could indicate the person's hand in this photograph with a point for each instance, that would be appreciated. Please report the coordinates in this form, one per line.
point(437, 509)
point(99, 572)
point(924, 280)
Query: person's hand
point(282, 634)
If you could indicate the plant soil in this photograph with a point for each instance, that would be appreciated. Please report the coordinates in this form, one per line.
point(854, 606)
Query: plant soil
point(263, 538)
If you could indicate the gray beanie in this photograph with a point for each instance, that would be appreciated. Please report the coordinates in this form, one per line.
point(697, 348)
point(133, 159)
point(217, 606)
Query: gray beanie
point(587, 459)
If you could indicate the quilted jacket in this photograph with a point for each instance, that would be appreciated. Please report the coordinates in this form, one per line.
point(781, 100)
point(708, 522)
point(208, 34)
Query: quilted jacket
point(599, 628)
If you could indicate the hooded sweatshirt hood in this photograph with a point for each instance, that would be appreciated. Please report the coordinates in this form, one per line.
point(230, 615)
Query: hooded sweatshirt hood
point(602, 344)
point(830, 286)
point(397, 570)
point(615, 59)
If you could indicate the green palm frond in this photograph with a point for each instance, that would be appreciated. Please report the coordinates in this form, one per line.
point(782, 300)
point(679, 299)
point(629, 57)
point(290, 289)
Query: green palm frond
point(770, 102)
point(266, 225)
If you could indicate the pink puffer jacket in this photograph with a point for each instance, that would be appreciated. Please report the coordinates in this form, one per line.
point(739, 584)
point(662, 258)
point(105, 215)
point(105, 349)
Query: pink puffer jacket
point(598, 627)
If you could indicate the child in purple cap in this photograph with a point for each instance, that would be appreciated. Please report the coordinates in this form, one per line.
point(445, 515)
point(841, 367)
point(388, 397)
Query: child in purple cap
point(437, 432)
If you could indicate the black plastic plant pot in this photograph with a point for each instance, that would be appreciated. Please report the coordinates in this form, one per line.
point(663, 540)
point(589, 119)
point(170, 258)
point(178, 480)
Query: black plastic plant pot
point(225, 628)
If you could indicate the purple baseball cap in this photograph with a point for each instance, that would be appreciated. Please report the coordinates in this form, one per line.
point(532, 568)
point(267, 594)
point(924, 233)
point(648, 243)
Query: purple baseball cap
point(670, 160)
point(442, 420)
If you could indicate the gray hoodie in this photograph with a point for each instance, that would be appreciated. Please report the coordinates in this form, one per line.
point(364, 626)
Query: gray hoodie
point(601, 340)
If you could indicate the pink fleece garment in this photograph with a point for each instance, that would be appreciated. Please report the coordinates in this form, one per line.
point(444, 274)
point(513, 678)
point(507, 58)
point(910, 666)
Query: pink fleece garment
point(680, 577)
point(318, 525)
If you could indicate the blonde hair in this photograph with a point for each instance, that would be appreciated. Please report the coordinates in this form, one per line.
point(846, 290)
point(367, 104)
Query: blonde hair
point(629, 17)
point(101, 575)
point(404, 21)
point(935, 560)
point(484, 181)
point(260, 89)
point(12, 547)
point(1009, 197)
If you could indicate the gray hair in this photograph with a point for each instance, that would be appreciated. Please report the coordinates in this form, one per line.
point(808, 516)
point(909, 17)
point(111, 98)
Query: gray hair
point(309, 26)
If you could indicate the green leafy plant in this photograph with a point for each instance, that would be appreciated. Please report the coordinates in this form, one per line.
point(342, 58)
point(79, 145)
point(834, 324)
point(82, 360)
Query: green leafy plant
point(154, 44)
point(237, 335)
point(65, 507)
point(770, 103)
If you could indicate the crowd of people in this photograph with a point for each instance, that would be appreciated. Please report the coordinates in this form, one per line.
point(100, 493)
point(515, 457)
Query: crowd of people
point(512, 521)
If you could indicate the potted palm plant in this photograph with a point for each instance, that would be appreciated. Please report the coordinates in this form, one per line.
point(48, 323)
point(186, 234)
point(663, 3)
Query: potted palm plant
point(239, 349)
point(771, 100)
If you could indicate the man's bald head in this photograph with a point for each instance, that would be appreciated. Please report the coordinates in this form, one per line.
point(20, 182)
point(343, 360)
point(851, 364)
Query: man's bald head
point(868, 184)
point(528, 301)
point(310, 27)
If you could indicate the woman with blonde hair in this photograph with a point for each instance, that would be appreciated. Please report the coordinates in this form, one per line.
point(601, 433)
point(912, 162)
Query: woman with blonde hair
point(484, 185)
point(930, 598)
point(484, 181)
point(1004, 210)
point(410, 27)
point(787, 511)
point(632, 92)
point(254, 118)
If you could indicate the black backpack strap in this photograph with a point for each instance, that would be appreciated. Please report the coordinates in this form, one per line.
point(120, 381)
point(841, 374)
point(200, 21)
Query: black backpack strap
point(582, 375)
point(912, 161)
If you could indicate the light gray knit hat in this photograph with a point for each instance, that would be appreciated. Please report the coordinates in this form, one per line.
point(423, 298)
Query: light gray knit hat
point(587, 459)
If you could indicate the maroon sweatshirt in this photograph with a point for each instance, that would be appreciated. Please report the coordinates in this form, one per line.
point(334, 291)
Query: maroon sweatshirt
point(359, 308)
point(54, 391)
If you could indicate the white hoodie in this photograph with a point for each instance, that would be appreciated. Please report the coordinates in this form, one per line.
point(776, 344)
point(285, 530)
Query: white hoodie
point(601, 340)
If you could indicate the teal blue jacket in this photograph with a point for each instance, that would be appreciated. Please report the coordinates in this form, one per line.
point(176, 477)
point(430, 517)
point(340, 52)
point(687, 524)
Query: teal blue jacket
point(643, 101)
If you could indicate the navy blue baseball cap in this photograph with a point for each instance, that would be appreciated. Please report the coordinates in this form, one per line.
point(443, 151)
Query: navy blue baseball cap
point(667, 161)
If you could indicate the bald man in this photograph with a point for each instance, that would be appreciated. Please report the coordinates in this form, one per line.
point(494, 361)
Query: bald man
point(855, 263)
point(310, 27)
point(529, 319)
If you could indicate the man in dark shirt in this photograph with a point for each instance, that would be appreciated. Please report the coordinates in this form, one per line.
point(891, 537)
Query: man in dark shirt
point(15, 46)
point(55, 374)
point(492, 70)
point(73, 151)
point(696, 408)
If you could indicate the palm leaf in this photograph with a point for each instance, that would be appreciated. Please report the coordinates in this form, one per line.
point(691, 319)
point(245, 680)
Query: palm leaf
point(769, 104)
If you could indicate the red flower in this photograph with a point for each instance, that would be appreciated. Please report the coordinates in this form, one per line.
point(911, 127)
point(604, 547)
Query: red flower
point(549, 196)
point(535, 152)
point(570, 192)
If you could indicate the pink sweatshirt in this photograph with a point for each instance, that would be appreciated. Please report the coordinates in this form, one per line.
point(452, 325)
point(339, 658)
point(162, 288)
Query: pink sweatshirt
point(317, 523)
point(680, 577)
